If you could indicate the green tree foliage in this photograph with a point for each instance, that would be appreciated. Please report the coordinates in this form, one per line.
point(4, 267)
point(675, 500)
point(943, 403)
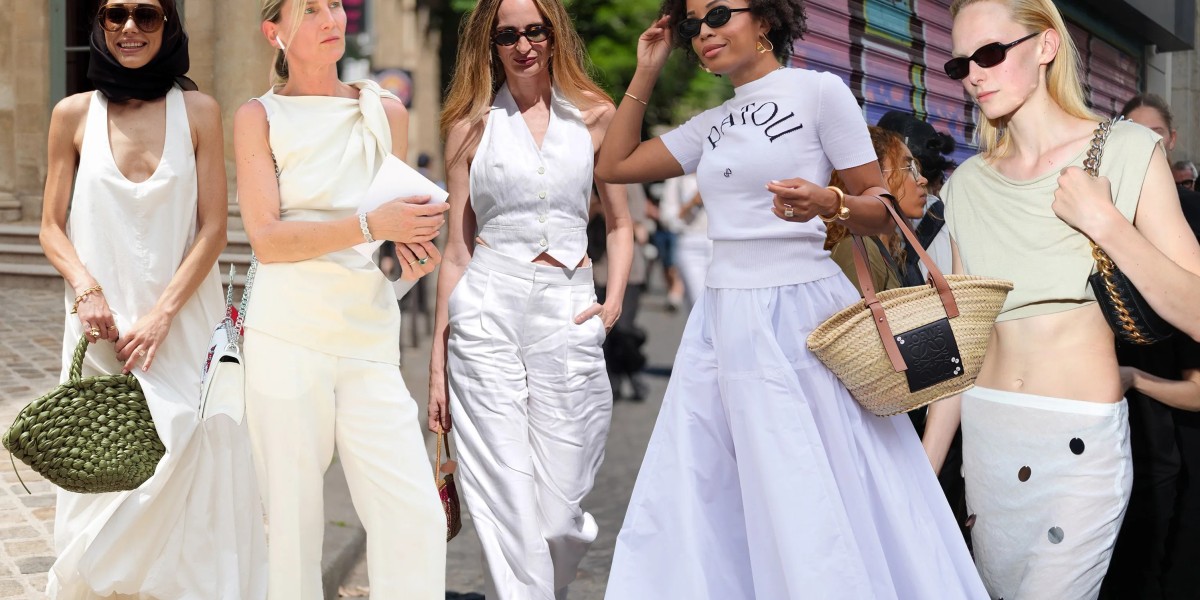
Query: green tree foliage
point(610, 28)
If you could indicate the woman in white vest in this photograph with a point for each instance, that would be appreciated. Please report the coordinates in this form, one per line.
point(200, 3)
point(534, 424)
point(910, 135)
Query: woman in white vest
point(322, 321)
point(520, 336)
point(134, 219)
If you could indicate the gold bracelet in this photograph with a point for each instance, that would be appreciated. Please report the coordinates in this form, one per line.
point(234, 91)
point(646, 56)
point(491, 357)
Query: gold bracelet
point(843, 211)
point(636, 98)
point(81, 297)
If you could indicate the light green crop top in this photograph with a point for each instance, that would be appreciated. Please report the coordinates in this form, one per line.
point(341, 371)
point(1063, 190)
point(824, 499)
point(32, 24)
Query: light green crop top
point(1007, 229)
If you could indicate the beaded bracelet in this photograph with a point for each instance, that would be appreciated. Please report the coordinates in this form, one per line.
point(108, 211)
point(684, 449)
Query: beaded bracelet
point(366, 231)
point(83, 296)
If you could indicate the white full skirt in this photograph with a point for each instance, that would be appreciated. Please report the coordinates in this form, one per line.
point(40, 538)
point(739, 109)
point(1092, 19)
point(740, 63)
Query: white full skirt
point(765, 479)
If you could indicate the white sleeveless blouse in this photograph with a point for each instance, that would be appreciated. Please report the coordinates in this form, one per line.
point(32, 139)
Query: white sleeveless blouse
point(529, 200)
point(327, 151)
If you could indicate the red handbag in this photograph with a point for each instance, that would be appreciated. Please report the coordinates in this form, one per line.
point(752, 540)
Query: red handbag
point(443, 475)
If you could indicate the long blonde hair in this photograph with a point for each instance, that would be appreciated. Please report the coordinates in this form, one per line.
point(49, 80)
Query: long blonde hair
point(272, 10)
point(478, 72)
point(1062, 75)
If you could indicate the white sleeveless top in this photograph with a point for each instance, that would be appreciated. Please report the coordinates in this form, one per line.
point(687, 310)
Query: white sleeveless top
point(327, 151)
point(529, 200)
point(132, 237)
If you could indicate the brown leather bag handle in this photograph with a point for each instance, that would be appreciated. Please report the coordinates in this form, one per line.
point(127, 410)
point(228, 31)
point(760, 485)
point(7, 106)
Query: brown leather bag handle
point(863, 273)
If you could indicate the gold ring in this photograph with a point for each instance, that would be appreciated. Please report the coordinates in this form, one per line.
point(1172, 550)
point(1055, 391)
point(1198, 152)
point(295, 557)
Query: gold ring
point(95, 331)
point(787, 211)
point(112, 327)
point(412, 262)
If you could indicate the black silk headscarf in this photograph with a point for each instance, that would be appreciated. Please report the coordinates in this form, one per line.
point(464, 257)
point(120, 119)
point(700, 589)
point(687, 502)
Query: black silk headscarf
point(152, 81)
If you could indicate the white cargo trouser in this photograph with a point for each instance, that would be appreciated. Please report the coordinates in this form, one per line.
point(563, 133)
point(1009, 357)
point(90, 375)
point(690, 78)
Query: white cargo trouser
point(300, 403)
point(531, 406)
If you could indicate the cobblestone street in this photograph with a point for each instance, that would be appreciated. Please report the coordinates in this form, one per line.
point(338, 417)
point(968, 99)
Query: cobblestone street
point(30, 352)
point(31, 324)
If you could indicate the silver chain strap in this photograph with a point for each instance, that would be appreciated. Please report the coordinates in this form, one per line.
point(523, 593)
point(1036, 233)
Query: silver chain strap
point(241, 318)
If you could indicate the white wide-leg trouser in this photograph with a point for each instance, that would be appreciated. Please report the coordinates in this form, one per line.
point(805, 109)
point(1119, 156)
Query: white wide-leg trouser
point(300, 404)
point(531, 406)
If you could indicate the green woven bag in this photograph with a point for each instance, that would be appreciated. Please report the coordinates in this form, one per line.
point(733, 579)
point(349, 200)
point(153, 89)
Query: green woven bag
point(88, 435)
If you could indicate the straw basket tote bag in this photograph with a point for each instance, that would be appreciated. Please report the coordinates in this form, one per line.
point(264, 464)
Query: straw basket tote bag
point(901, 349)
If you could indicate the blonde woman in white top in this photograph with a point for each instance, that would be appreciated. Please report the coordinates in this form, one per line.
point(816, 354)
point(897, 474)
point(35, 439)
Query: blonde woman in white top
point(1045, 434)
point(519, 339)
point(322, 322)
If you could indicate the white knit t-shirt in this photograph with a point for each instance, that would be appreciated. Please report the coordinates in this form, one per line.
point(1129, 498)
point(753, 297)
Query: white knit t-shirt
point(791, 123)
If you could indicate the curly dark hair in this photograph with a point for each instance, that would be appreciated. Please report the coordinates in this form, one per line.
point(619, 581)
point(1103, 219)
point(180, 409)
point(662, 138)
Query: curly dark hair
point(786, 18)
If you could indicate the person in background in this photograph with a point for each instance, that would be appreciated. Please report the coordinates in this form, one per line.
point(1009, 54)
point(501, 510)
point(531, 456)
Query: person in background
point(681, 209)
point(623, 354)
point(931, 149)
point(1159, 541)
point(1184, 172)
point(885, 252)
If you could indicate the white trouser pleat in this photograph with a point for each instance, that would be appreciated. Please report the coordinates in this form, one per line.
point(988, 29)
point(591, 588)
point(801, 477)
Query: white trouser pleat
point(531, 406)
point(300, 405)
point(1048, 481)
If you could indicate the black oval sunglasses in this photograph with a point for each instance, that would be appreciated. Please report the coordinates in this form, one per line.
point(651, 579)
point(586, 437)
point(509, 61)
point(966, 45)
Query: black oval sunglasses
point(986, 56)
point(533, 33)
point(718, 16)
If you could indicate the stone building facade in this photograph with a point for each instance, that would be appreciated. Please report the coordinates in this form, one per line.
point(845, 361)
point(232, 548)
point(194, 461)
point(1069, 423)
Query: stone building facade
point(43, 57)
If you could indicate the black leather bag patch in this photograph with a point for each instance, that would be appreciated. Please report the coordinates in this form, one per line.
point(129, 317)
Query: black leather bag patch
point(931, 354)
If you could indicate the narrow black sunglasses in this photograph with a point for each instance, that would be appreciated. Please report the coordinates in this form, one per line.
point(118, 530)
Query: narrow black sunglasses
point(533, 33)
point(986, 56)
point(718, 16)
point(147, 17)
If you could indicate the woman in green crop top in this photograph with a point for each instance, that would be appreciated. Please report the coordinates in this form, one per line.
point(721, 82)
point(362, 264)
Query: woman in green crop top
point(1045, 436)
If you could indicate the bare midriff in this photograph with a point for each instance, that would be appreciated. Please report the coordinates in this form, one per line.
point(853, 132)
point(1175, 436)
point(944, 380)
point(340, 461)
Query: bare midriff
point(1069, 354)
point(545, 259)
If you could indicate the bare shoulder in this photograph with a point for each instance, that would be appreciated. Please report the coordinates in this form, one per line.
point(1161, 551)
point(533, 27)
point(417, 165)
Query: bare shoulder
point(599, 111)
point(462, 140)
point(251, 113)
point(202, 109)
point(394, 109)
point(72, 109)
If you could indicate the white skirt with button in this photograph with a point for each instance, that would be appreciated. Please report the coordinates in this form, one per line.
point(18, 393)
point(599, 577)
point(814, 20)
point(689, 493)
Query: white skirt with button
point(1048, 480)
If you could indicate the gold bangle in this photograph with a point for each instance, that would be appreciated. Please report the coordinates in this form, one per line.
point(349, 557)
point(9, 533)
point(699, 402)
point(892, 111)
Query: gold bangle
point(636, 98)
point(843, 212)
point(83, 296)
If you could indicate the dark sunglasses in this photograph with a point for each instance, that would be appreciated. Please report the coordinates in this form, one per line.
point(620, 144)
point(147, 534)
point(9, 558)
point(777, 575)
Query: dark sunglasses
point(718, 16)
point(147, 17)
point(533, 33)
point(986, 56)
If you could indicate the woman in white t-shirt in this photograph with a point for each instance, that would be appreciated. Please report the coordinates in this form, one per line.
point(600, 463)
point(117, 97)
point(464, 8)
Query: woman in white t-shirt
point(764, 478)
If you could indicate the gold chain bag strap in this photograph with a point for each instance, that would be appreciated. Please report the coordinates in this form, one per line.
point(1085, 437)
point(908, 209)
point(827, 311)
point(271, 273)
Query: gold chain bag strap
point(443, 476)
point(901, 349)
point(1127, 312)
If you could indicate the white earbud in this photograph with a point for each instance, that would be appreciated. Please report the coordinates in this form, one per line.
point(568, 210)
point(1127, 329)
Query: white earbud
point(280, 42)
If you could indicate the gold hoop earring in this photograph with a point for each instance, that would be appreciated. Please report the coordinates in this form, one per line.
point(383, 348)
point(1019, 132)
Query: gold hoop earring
point(764, 49)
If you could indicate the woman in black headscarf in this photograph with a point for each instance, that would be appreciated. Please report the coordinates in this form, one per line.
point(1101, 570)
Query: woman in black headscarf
point(134, 219)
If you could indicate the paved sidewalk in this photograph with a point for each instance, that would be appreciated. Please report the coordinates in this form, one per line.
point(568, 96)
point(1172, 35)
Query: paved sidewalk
point(31, 325)
point(631, 427)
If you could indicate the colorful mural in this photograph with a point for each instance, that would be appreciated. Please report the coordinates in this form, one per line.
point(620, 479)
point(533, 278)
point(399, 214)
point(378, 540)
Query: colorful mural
point(891, 52)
